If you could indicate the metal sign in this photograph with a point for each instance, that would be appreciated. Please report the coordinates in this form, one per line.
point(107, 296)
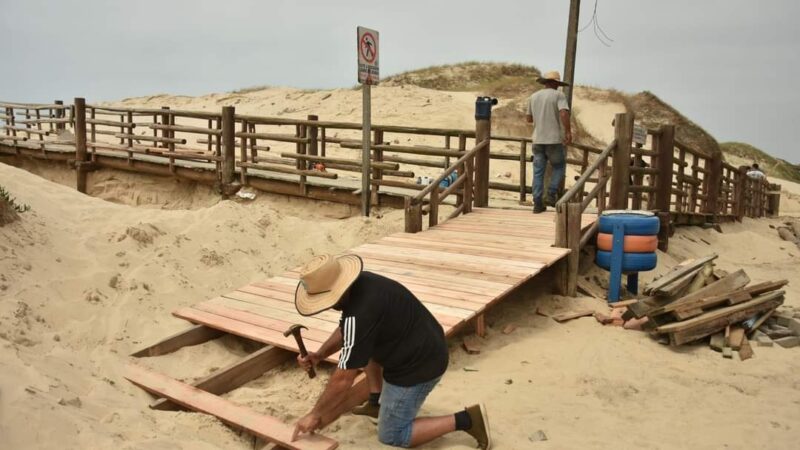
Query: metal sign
point(368, 69)
point(639, 134)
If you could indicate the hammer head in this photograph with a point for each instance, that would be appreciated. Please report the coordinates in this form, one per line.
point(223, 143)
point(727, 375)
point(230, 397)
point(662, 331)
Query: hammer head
point(294, 329)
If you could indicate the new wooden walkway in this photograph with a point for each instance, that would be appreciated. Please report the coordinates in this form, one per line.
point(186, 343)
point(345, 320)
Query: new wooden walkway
point(457, 269)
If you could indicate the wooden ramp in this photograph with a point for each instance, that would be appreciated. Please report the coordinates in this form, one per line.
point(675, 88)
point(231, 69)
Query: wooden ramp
point(457, 269)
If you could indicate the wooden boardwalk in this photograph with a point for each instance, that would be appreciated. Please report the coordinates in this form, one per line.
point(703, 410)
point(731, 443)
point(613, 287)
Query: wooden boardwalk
point(457, 269)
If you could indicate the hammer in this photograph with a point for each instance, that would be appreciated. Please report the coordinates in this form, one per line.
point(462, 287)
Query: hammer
point(295, 331)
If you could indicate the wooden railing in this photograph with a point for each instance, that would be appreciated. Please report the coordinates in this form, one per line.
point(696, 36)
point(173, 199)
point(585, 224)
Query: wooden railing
point(281, 155)
point(432, 196)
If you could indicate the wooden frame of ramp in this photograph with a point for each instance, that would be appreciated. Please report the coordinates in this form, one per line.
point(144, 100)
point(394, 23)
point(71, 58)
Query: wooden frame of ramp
point(458, 269)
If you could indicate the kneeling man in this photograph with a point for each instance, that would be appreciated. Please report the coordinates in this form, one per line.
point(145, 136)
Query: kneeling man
point(387, 332)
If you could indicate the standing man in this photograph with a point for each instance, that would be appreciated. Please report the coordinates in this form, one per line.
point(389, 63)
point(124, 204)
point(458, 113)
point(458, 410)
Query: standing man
point(755, 172)
point(385, 331)
point(549, 112)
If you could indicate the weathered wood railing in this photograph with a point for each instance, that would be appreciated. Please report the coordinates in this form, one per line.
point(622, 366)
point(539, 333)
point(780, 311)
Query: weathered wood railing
point(432, 196)
point(232, 149)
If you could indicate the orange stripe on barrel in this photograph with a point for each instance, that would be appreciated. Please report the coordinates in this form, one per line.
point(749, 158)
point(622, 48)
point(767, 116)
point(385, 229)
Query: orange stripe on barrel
point(633, 244)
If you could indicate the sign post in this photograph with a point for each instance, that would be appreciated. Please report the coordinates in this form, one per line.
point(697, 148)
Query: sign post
point(368, 74)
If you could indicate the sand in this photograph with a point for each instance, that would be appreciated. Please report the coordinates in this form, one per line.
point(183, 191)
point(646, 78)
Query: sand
point(87, 280)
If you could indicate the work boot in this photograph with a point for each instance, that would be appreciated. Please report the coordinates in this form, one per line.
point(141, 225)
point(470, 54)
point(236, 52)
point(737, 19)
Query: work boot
point(367, 409)
point(480, 426)
point(539, 208)
point(550, 199)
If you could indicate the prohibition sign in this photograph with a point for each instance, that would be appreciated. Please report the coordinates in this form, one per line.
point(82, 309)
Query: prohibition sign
point(367, 48)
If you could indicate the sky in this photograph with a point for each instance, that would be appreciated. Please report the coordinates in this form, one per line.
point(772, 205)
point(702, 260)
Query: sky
point(729, 65)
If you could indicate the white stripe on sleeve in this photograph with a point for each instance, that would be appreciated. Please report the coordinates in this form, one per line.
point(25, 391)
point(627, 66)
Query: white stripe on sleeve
point(348, 341)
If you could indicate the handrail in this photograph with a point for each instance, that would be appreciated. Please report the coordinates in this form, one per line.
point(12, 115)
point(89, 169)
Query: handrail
point(578, 186)
point(418, 198)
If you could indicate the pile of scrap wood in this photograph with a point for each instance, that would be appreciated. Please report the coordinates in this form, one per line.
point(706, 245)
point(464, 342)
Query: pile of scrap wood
point(696, 301)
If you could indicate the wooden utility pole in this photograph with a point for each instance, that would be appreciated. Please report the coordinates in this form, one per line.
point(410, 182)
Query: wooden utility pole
point(572, 48)
point(80, 143)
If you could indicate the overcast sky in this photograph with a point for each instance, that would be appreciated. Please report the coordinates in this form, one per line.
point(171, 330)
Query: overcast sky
point(730, 65)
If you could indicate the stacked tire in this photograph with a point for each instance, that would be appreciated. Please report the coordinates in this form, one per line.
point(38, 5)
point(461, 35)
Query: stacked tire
point(640, 240)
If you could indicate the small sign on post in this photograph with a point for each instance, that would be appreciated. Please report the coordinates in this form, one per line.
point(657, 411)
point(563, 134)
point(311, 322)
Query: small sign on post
point(368, 74)
point(639, 134)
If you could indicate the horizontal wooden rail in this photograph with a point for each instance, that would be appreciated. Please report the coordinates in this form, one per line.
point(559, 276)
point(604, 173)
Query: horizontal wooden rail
point(26, 130)
point(349, 162)
point(111, 123)
point(288, 170)
point(579, 184)
point(138, 137)
point(273, 137)
point(185, 129)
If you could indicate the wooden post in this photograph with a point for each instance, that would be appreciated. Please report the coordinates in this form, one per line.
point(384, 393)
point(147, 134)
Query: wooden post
point(620, 169)
point(480, 325)
point(483, 131)
point(523, 156)
point(80, 142)
point(714, 183)
point(663, 230)
point(574, 243)
point(228, 148)
point(664, 145)
point(572, 47)
point(377, 173)
point(561, 242)
point(740, 193)
point(312, 132)
point(413, 216)
point(60, 115)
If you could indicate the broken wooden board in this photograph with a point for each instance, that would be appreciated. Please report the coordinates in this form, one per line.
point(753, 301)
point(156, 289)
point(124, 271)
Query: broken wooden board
point(591, 289)
point(689, 310)
point(471, 344)
point(736, 280)
point(760, 321)
point(678, 272)
point(716, 320)
point(563, 317)
point(736, 337)
point(263, 426)
point(508, 329)
point(623, 303)
point(194, 335)
point(745, 351)
point(717, 342)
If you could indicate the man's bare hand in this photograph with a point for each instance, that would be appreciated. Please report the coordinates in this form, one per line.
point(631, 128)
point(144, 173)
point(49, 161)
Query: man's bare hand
point(308, 424)
point(310, 360)
point(567, 138)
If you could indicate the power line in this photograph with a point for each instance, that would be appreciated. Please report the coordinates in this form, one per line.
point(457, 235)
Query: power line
point(594, 22)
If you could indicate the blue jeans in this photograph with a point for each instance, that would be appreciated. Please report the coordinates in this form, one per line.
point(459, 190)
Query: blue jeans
point(556, 154)
point(399, 408)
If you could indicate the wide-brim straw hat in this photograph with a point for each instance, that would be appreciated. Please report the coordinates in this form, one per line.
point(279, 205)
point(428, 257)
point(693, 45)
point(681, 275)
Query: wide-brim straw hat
point(552, 76)
point(323, 281)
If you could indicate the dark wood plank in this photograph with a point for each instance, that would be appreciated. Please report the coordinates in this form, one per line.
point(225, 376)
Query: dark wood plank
point(195, 335)
point(263, 426)
point(235, 375)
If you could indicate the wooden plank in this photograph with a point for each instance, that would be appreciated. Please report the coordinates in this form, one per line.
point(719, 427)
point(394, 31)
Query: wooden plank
point(735, 338)
point(449, 257)
point(680, 271)
point(263, 426)
point(467, 249)
point(243, 329)
point(404, 262)
point(264, 317)
point(746, 351)
point(563, 317)
point(721, 312)
point(725, 286)
point(195, 335)
point(235, 375)
point(760, 321)
point(711, 326)
point(594, 290)
point(440, 259)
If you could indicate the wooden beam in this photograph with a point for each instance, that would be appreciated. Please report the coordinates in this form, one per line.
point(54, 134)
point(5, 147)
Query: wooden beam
point(235, 375)
point(623, 133)
point(263, 426)
point(192, 336)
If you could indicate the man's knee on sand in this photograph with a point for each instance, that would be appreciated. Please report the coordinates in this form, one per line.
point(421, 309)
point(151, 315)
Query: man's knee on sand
point(395, 434)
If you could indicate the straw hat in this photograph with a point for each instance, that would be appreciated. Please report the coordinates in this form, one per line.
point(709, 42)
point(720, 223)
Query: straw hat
point(552, 76)
point(323, 281)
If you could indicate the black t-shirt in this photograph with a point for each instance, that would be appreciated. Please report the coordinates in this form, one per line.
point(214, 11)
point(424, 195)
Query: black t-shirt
point(382, 320)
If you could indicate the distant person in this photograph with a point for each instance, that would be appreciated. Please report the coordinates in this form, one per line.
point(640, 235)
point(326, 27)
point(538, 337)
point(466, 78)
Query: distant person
point(548, 111)
point(755, 172)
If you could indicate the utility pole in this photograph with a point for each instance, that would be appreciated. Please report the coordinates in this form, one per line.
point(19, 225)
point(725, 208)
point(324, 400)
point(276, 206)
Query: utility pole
point(572, 47)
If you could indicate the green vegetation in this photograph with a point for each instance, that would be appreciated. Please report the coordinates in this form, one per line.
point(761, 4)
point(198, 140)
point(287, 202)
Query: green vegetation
point(773, 167)
point(9, 208)
point(495, 79)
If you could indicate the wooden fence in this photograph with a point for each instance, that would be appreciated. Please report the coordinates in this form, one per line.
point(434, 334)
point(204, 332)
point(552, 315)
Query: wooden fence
point(229, 150)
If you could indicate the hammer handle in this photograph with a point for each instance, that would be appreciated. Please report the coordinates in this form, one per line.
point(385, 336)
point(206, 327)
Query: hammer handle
point(303, 352)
